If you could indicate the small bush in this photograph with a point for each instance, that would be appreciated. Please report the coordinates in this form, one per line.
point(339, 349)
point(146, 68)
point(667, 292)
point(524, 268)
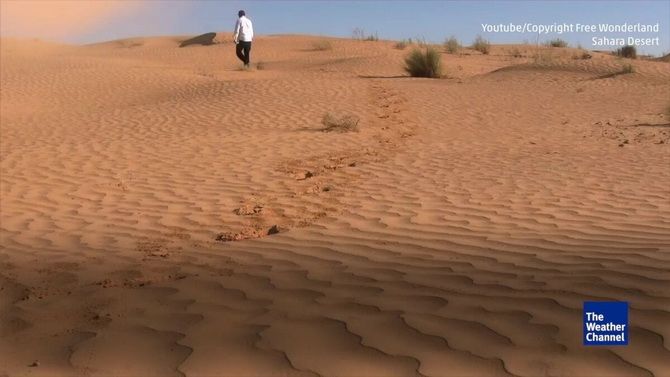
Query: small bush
point(401, 45)
point(322, 45)
point(359, 35)
point(583, 56)
point(426, 63)
point(516, 53)
point(626, 52)
point(482, 45)
point(451, 45)
point(371, 38)
point(627, 68)
point(557, 43)
point(340, 123)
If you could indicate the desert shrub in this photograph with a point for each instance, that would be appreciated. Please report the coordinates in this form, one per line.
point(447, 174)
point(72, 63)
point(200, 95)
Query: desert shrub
point(482, 45)
point(557, 43)
point(584, 55)
point(421, 41)
point(451, 45)
point(358, 34)
point(516, 53)
point(372, 38)
point(424, 63)
point(401, 45)
point(626, 52)
point(340, 122)
point(627, 68)
point(322, 45)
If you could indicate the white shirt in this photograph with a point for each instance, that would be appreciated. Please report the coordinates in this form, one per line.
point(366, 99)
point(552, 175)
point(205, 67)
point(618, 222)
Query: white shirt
point(244, 30)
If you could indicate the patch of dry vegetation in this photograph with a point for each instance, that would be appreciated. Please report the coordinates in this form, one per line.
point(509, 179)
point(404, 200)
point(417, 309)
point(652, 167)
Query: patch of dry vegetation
point(340, 122)
point(482, 45)
point(424, 63)
point(401, 45)
point(322, 45)
point(627, 68)
point(629, 52)
point(558, 42)
point(451, 45)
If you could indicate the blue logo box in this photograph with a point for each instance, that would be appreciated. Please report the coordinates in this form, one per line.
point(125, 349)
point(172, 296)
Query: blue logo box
point(605, 323)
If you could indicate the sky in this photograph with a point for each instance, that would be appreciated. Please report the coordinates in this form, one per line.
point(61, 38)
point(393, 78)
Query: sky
point(88, 21)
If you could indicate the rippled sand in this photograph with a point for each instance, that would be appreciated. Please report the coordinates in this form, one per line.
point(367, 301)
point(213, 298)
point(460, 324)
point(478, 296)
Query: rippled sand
point(457, 233)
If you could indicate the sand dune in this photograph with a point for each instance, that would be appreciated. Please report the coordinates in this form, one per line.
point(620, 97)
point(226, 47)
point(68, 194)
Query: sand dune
point(457, 233)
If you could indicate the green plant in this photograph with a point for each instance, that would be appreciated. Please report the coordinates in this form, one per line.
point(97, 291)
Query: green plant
point(482, 45)
point(557, 43)
point(451, 45)
point(626, 52)
point(424, 63)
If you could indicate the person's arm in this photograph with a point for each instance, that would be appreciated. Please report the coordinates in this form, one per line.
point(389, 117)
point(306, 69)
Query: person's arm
point(237, 31)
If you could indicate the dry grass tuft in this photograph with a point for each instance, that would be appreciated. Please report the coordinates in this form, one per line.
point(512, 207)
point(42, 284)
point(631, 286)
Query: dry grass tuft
point(322, 45)
point(584, 55)
point(401, 45)
point(482, 45)
point(557, 43)
point(451, 45)
point(424, 63)
point(340, 122)
point(627, 68)
point(626, 52)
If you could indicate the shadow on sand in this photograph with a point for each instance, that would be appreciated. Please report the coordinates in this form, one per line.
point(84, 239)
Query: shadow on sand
point(203, 40)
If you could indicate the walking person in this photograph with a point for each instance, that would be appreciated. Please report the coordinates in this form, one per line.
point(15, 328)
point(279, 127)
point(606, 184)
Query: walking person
point(244, 34)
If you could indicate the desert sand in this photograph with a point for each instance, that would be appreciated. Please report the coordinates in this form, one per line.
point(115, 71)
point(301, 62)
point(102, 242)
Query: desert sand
point(457, 233)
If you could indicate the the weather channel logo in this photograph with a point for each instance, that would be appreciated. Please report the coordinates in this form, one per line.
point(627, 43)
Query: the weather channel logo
point(605, 323)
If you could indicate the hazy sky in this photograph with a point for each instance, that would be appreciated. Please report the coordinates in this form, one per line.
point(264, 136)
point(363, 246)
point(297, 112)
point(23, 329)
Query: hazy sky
point(82, 21)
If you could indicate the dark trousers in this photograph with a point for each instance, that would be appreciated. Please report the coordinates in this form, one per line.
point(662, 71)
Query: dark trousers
point(243, 49)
